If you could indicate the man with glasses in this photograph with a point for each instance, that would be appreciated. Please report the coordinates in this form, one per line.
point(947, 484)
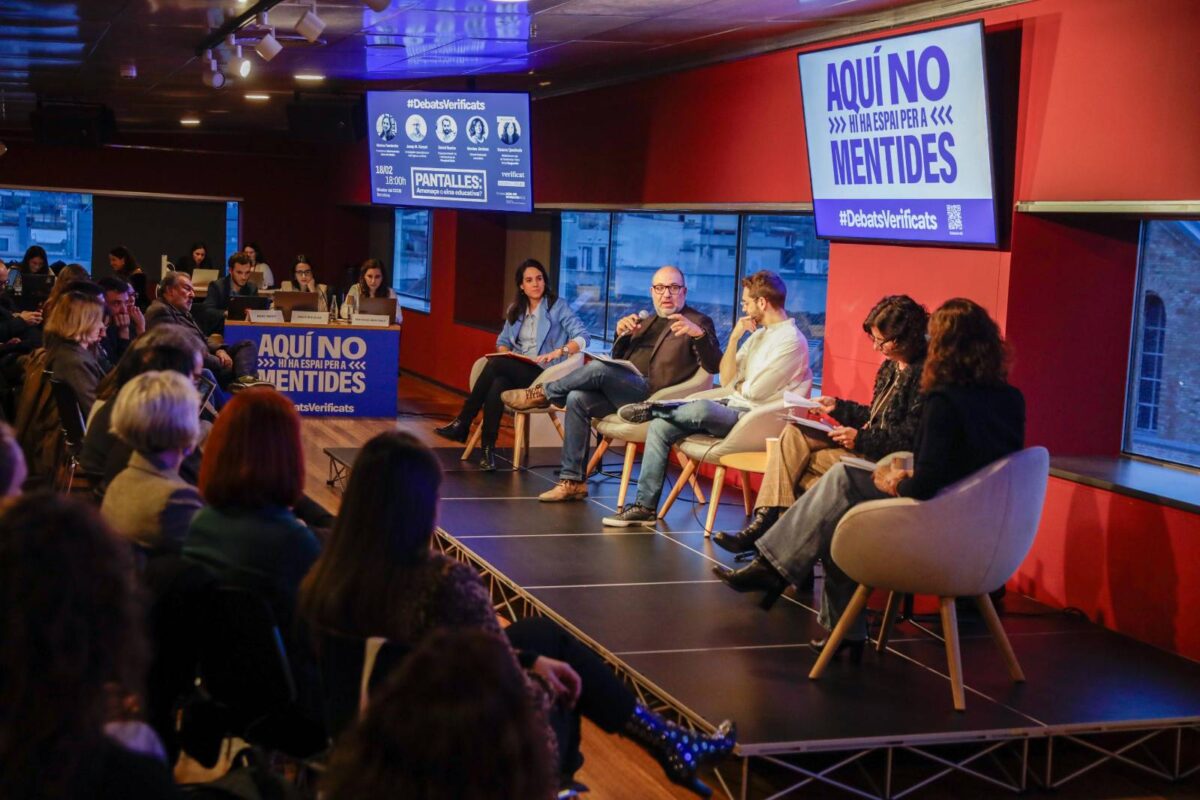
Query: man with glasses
point(667, 348)
point(773, 358)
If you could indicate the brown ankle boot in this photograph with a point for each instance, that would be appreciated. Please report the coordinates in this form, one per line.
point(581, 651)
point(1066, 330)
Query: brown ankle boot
point(525, 399)
point(565, 490)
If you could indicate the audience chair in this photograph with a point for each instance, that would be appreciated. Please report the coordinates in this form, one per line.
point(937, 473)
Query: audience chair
point(351, 669)
point(71, 420)
point(612, 428)
point(749, 435)
point(965, 542)
point(521, 418)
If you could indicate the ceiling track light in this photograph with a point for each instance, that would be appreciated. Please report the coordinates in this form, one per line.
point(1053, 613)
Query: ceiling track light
point(241, 64)
point(212, 75)
point(378, 6)
point(310, 25)
point(268, 47)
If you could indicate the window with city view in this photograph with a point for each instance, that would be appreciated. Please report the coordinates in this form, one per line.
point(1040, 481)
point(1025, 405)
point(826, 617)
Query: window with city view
point(410, 259)
point(607, 261)
point(60, 222)
point(1164, 375)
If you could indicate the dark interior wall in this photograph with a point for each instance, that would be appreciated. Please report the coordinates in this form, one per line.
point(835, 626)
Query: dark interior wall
point(479, 278)
point(151, 228)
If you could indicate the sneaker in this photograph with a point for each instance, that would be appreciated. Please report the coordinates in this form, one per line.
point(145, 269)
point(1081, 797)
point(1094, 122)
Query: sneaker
point(525, 399)
point(564, 491)
point(633, 515)
point(636, 413)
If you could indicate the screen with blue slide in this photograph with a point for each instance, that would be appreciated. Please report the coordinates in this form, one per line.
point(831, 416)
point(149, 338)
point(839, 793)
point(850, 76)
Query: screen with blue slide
point(450, 150)
point(898, 139)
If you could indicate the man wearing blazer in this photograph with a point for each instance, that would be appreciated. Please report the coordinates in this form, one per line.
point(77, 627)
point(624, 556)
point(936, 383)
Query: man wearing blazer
point(667, 348)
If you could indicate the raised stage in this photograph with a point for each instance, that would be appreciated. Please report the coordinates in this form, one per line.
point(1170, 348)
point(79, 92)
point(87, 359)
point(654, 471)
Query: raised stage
point(645, 599)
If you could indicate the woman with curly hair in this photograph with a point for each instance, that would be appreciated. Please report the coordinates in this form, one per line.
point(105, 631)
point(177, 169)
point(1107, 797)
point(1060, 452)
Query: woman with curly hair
point(971, 417)
point(70, 623)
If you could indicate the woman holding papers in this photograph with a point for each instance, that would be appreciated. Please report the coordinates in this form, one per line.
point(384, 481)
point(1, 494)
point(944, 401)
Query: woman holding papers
point(538, 331)
point(970, 417)
point(896, 327)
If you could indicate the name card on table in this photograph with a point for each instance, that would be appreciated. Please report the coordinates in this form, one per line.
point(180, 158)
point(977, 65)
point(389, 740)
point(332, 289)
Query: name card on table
point(311, 317)
point(372, 320)
point(272, 315)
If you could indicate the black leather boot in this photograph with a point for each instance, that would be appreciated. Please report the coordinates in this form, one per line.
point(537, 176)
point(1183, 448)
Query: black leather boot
point(680, 752)
point(487, 458)
point(758, 575)
point(456, 431)
point(743, 541)
point(852, 646)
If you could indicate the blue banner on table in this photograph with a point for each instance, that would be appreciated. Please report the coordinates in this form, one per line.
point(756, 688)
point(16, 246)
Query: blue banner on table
point(450, 150)
point(328, 371)
point(898, 139)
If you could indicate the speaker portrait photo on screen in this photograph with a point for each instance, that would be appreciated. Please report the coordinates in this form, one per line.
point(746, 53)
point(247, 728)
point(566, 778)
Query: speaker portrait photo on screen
point(447, 128)
point(510, 129)
point(416, 128)
point(477, 130)
point(385, 127)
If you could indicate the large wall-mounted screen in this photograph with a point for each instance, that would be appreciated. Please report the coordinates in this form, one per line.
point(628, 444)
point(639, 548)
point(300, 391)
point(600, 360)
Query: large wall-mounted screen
point(467, 150)
point(898, 138)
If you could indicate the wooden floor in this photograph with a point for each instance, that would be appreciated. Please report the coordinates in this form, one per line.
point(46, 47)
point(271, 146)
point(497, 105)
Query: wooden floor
point(615, 769)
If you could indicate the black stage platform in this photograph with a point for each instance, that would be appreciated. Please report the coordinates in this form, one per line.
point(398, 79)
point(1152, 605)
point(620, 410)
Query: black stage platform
point(646, 600)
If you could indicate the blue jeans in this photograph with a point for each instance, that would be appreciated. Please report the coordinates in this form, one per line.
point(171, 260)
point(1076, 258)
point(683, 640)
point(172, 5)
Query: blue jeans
point(594, 390)
point(805, 532)
point(667, 428)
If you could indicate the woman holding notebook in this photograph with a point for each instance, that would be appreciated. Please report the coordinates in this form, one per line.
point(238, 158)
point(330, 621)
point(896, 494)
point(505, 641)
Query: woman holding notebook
point(538, 331)
point(896, 327)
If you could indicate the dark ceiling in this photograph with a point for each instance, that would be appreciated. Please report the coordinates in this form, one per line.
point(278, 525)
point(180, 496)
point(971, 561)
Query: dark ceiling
point(139, 56)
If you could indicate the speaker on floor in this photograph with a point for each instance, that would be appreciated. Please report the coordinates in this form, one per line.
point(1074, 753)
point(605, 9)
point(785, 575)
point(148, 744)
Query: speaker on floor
point(80, 124)
point(326, 118)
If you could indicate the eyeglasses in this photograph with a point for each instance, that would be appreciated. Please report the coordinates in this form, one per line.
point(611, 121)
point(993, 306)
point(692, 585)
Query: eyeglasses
point(660, 288)
point(304, 272)
point(879, 343)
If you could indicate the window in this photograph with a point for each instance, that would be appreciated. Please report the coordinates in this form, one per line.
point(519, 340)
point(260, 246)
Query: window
point(788, 245)
point(232, 232)
point(1164, 393)
point(410, 260)
point(583, 269)
point(60, 222)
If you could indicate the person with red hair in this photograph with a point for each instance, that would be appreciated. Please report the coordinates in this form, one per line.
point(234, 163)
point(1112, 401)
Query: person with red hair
point(251, 476)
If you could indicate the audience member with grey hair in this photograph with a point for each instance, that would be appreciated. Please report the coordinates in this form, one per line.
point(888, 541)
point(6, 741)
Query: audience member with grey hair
point(158, 415)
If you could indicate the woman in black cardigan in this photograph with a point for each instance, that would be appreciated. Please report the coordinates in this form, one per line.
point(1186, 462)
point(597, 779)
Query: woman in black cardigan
point(896, 326)
point(971, 417)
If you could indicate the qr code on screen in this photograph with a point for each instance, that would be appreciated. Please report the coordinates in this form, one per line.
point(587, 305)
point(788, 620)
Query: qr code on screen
point(954, 218)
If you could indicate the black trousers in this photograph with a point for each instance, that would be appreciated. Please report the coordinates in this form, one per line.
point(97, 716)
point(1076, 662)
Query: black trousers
point(603, 699)
point(499, 375)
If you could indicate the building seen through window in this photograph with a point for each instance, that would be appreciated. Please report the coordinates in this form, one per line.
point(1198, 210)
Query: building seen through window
point(1164, 376)
point(410, 258)
point(60, 222)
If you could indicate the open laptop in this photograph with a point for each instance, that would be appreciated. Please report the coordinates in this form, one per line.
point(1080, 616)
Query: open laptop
point(201, 278)
point(287, 302)
point(240, 304)
point(34, 290)
point(378, 305)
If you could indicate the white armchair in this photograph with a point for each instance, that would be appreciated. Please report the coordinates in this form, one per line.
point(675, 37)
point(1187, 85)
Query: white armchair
point(612, 428)
point(520, 419)
point(965, 542)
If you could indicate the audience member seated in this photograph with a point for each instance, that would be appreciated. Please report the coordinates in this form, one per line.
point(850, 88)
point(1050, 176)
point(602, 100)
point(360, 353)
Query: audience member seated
point(174, 307)
point(536, 326)
point(251, 476)
point(14, 323)
point(12, 463)
point(971, 417)
point(157, 414)
point(166, 347)
point(125, 267)
point(34, 262)
point(773, 359)
point(236, 283)
point(63, 281)
point(896, 326)
point(258, 265)
point(126, 321)
point(195, 258)
point(379, 577)
point(71, 627)
point(455, 720)
point(73, 327)
point(667, 349)
point(303, 280)
point(370, 284)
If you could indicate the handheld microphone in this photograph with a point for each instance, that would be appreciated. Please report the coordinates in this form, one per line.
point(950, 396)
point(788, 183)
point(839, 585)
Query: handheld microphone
point(643, 314)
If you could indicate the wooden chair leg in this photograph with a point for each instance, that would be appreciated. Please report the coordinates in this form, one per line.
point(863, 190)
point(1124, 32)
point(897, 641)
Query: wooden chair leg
point(1000, 637)
point(695, 484)
point(688, 470)
point(856, 606)
point(597, 456)
point(889, 619)
point(472, 442)
point(953, 654)
point(521, 422)
point(557, 425)
point(626, 472)
point(747, 492)
point(714, 501)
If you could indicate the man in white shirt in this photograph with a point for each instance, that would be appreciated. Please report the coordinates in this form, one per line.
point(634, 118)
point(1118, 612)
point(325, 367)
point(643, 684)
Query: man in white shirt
point(772, 359)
